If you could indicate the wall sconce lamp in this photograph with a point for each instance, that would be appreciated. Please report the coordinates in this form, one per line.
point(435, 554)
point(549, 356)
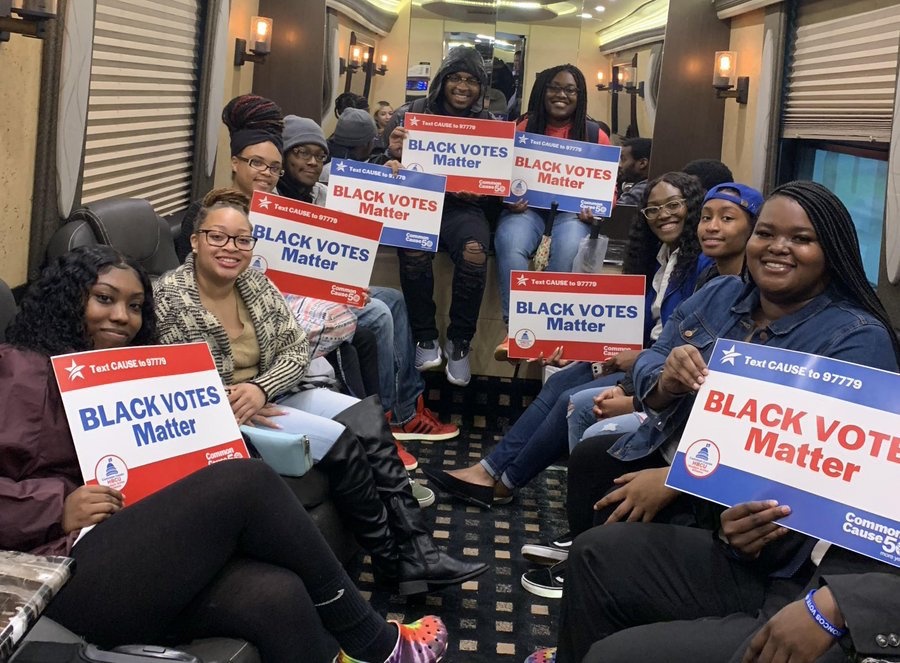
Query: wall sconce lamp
point(627, 78)
point(381, 69)
point(354, 65)
point(727, 85)
point(601, 86)
point(261, 35)
point(31, 18)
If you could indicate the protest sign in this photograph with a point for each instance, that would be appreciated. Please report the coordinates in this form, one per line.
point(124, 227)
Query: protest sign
point(408, 203)
point(816, 434)
point(593, 316)
point(144, 417)
point(475, 155)
point(313, 251)
point(572, 173)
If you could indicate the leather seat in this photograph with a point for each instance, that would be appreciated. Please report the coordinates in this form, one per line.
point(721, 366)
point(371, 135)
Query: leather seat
point(128, 224)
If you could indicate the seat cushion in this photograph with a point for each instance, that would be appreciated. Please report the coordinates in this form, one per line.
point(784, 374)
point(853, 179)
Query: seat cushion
point(222, 650)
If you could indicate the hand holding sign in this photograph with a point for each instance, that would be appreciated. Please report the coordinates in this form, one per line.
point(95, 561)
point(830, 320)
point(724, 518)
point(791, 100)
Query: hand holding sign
point(750, 526)
point(682, 373)
point(89, 505)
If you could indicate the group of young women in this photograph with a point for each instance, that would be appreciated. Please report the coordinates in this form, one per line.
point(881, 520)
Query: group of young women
point(229, 551)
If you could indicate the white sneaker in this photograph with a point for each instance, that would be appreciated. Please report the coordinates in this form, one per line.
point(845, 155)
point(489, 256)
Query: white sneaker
point(422, 493)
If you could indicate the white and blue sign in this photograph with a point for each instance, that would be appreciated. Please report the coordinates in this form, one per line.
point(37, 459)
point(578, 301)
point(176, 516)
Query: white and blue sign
point(409, 204)
point(575, 174)
point(817, 434)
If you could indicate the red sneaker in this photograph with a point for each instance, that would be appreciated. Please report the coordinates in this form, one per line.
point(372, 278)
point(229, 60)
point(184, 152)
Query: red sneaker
point(409, 461)
point(424, 426)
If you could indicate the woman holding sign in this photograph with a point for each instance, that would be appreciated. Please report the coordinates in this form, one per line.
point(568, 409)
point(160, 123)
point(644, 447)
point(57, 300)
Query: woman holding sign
point(227, 551)
point(807, 292)
point(672, 260)
point(261, 354)
point(557, 108)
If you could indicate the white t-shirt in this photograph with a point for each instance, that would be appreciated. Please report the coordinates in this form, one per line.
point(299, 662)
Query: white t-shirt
point(661, 279)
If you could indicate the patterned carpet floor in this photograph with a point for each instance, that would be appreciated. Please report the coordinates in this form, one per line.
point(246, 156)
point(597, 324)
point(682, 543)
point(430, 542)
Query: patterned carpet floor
point(491, 618)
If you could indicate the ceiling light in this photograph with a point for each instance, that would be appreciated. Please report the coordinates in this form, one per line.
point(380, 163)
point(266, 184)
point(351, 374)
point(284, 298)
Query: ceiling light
point(600, 8)
point(585, 15)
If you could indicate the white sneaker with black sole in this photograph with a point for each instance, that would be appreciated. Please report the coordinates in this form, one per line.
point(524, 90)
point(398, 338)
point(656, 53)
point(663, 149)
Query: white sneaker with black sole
point(549, 553)
point(546, 582)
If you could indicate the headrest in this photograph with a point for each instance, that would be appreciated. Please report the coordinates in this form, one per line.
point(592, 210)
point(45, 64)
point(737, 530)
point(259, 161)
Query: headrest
point(128, 224)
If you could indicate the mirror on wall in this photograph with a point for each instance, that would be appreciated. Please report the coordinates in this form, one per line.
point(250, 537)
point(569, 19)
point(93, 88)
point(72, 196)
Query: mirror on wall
point(518, 40)
point(360, 56)
point(437, 27)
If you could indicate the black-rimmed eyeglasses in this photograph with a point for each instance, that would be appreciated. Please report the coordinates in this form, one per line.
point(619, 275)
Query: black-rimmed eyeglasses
point(219, 239)
point(261, 166)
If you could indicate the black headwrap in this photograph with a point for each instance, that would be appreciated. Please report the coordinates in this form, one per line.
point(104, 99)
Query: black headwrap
point(251, 120)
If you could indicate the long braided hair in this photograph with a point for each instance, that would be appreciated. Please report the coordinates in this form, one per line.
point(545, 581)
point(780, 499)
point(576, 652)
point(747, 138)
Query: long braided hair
point(537, 110)
point(643, 245)
point(837, 237)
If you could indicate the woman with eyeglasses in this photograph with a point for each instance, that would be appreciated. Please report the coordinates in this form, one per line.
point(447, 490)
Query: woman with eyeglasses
point(261, 354)
point(538, 438)
point(254, 126)
point(557, 108)
point(227, 551)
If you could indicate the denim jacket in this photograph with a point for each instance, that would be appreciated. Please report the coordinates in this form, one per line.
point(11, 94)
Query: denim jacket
point(828, 325)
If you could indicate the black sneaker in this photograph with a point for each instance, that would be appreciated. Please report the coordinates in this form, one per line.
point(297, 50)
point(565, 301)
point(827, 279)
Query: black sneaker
point(549, 553)
point(546, 582)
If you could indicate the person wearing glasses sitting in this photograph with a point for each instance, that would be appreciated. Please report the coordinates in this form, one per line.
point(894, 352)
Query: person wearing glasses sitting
point(557, 108)
point(457, 90)
point(261, 354)
point(254, 127)
point(664, 248)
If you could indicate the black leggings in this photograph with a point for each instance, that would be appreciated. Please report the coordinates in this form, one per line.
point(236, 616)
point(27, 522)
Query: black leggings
point(227, 551)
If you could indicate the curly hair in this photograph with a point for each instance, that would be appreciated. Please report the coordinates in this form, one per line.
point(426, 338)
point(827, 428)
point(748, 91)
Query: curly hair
point(840, 244)
point(537, 107)
point(218, 199)
point(51, 316)
point(643, 245)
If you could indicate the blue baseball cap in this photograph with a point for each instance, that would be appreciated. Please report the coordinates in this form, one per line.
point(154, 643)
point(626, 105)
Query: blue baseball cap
point(746, 197)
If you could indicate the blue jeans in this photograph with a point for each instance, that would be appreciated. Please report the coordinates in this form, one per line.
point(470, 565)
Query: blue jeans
point(624, 423)
point(538, 439)
point(400, 384)
point(309, 413)
point(580, 414)
point(518, 235)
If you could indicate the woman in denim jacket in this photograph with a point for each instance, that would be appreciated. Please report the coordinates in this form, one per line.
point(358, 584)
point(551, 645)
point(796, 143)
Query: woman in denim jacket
point(803, 293)
point(737, 595)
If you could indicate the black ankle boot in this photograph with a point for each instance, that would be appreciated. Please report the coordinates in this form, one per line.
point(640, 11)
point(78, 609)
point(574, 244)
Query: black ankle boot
point(418, 565)
point(421, 565)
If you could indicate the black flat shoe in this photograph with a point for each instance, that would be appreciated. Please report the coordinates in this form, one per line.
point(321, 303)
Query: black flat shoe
point(481, 496)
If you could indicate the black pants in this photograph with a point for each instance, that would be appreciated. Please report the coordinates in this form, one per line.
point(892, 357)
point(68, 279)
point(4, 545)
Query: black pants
point(591, 474)
point(462, 222)
point(226, 551)
point(660, 593)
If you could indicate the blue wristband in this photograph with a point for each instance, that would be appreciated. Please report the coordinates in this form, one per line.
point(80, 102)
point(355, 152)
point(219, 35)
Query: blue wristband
point(819, 618)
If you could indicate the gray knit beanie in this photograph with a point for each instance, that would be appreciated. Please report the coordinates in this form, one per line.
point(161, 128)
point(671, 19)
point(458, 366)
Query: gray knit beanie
point(354, 127)
point(302, 131)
